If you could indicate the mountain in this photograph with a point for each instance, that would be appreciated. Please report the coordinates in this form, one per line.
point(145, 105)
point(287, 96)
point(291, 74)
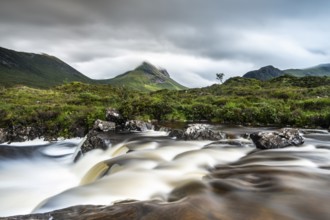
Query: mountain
point(264, 73)
point(270, 72)
point(145, 77)
point(36, 70)
point(44, 71)
point(319, 70)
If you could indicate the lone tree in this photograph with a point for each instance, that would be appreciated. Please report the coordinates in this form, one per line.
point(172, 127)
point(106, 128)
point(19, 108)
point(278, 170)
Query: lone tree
point(220, 76)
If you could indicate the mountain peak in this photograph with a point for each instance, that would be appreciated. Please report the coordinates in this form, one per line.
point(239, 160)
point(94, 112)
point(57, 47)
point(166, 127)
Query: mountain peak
point(146, 77)
point(152, 70)
point(264, 73)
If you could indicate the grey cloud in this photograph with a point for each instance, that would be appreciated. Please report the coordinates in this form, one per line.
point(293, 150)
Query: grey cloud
point(85, 31)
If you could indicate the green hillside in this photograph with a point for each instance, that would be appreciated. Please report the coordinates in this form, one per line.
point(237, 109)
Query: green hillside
point(319, 70)
point(145, 77)
point(35, 70)
point(71, 109)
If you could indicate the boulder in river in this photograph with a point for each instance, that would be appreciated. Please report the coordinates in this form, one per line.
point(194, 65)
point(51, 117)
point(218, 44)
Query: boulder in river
point(98, 137)
point(136, 125)
point(104, 126)
point(198, 132)
point(285, 137)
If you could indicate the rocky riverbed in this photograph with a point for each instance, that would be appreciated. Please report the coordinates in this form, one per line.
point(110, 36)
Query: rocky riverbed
point(198, 172)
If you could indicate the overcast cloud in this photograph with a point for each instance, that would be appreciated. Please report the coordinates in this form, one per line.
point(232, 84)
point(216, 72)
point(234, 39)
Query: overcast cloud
point(192, 39)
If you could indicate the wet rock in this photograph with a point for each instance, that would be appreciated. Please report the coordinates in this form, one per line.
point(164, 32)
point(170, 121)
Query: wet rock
point(278, 139)
point(78, 130)
point(104, 126)
point(21, 133)
point(197, 132)
point(136, 125)
point(96, 140)
point(176, 133)
point(3, 135)
point(99, 136)
point(196, 208)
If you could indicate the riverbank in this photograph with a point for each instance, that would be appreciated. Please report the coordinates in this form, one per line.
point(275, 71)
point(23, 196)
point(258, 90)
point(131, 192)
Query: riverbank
point(70, 110)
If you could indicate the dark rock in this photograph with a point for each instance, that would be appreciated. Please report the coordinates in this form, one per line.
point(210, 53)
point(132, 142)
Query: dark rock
point(86, 212)
point(79, 130)
point(136, 125)
point(104, 126)
point(197, 132)
point(196, 208)
point(21, 133)
point(113, 115)
point(278, 139)
point(177, 133)
point(99, 136)
point(3, 135)
point(96, 140)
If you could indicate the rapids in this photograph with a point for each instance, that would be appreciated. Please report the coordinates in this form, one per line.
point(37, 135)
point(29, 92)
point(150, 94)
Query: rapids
point(231, 177)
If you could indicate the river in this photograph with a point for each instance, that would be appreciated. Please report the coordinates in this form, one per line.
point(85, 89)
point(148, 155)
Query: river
point(231, 178)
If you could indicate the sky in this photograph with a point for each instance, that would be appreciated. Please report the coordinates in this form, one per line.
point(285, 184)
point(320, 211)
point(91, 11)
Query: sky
point(192, 39)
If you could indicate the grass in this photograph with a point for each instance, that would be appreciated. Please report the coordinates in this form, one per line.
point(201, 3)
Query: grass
point(71, 108)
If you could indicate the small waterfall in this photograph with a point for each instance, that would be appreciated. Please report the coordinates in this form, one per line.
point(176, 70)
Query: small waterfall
point(151, 167)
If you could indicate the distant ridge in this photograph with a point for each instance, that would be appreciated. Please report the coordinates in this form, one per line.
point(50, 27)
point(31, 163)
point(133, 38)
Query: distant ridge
point(145, 77)
point(36, 70)
point(319, 70)
point(270, 72)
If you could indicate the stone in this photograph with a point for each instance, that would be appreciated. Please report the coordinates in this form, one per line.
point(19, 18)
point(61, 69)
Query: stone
point(198, 132)
point(21, 133)
point(96, 140)
point(136, 125)
point(285, 137)
point(3, 135)
point(99, 136)
point(104, 125)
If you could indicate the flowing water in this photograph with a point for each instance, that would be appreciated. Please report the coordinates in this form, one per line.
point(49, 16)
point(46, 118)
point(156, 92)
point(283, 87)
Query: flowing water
point(228, 179)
